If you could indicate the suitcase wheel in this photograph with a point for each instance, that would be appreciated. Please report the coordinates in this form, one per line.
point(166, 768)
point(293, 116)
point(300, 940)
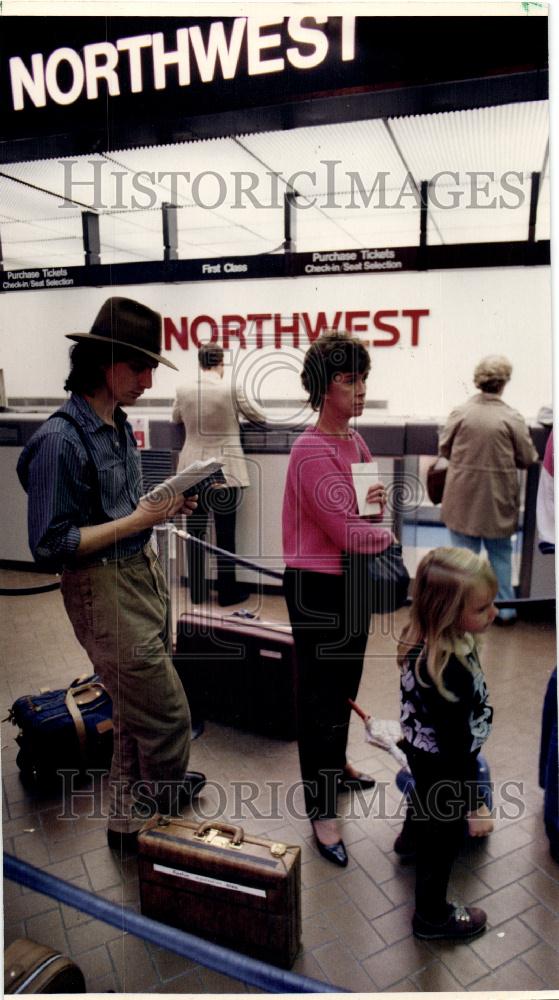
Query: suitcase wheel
point(29, 773)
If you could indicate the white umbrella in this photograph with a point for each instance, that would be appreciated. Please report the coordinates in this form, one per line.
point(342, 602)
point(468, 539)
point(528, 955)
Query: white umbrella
point(383, 733)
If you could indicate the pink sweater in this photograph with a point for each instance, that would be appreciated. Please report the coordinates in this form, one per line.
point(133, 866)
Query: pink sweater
point(320, 519)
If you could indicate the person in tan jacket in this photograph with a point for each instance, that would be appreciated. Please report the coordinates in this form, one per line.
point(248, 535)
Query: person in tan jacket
point(486, 442)
point(209, 408)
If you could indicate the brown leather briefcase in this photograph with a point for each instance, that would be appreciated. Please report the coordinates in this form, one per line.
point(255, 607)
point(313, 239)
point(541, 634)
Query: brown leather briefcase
point(214, 881)
point(30, 967)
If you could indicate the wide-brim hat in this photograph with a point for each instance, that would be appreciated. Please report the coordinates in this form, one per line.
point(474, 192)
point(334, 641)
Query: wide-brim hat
point(129, 324)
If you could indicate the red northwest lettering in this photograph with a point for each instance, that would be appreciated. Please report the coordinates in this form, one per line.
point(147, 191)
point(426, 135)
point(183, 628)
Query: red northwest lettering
point(259, 319)
point(321, 324)
point(387, 327)
point(233, 326)
point(196, 323)
point(358, 327)
point(279, 329)
point(415, 316)
point(170, 331)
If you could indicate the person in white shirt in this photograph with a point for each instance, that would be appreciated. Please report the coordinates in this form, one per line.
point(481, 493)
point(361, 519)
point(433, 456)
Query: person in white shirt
point(210, 408)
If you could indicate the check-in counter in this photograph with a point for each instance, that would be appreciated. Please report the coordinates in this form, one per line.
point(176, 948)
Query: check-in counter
point(399, 444)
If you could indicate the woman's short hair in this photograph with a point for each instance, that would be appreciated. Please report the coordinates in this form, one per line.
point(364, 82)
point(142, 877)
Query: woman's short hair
point(330, 355)
point(492, 373)
point(210, 356)
point(89, 360)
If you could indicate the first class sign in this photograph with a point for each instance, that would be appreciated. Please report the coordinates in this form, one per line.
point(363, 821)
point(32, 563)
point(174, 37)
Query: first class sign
point(246, 47)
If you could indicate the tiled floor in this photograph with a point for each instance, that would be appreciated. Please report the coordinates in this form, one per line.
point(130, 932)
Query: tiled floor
point(356, 922)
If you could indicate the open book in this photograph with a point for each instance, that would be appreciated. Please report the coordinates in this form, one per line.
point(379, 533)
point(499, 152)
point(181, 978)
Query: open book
point(190, 480)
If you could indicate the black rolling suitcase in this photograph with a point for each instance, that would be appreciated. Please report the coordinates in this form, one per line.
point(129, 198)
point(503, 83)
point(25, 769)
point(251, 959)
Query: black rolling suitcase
point(239, 672)
point(30, 967)
point(211, 880)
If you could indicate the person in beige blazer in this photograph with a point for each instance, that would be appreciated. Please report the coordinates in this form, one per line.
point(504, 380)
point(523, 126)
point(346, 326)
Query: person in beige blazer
point(210, 408)
point(486, 442)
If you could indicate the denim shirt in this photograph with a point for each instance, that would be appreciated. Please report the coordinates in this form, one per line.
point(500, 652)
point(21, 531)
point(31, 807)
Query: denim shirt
point(55, 471)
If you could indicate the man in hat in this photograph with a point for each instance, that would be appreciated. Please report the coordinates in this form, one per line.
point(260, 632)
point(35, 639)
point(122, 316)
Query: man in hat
point(81, 471)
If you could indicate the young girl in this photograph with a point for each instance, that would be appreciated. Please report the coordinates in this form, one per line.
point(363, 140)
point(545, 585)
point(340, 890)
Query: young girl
point(445, 719)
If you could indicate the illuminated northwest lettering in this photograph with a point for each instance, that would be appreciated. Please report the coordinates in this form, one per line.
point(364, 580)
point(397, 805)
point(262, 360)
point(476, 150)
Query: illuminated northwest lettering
point(143, 62)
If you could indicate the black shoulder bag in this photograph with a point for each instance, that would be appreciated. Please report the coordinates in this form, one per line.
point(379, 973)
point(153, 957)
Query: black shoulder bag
point(381, 581)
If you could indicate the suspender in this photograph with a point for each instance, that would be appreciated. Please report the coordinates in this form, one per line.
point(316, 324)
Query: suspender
point(97, 512)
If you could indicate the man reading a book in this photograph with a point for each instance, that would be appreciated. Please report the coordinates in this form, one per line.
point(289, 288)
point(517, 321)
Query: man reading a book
point(87, 520)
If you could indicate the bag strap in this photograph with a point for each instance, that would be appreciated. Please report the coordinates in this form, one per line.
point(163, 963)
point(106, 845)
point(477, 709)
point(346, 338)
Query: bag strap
point(77, 719)
point(362, 455)
point(97, 512)
point(76, 714)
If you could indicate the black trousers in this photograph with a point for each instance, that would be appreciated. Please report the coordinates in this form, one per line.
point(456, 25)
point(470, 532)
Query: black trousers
point(222, 504)
point(330, 643)
point(442, 797)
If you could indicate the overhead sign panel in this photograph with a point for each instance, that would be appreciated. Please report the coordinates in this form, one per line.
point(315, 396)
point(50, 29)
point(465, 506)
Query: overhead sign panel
point(70, 85)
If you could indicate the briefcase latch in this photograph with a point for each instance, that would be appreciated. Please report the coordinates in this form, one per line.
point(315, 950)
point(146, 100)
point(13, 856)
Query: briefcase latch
point(217, 839)
point(213, 833)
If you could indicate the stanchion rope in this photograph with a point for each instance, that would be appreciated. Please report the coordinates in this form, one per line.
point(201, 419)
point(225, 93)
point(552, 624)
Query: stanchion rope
point(45, 588)
point(213, 956)
point(228, 555)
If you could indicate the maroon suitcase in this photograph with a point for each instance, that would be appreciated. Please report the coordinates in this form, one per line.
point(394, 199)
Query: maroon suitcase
point(214, 881)
point(238, 671)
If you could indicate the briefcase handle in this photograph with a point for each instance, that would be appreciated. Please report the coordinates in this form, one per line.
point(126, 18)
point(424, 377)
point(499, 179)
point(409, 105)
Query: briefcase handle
point(237, 831)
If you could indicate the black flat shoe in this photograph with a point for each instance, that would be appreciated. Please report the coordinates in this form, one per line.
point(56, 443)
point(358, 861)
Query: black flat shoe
point(193, 784)
point(358, 782)
point(336, 853)
point(405, 844)
point(235, 596)
point(124, 843)
point(197, 729)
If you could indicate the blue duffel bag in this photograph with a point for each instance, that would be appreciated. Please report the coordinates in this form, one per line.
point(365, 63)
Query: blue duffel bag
point(67, 729)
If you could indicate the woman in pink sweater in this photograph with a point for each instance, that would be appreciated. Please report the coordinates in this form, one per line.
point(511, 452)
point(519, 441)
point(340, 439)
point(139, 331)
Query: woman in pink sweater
point(329, 618)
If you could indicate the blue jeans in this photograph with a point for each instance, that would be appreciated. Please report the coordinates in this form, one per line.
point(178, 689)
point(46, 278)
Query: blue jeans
point(499, 551)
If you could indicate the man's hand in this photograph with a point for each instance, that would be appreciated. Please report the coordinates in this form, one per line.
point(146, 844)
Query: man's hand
point(189, 505)
point(153, 509)
point(160, 506)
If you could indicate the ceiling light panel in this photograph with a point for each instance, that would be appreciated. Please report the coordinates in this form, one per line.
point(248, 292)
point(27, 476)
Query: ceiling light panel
point(76, 182)
point(327, 158)
point(511, 137)
point(23, 202)
point(131, 236)
point(208, 174)
point(479, 165)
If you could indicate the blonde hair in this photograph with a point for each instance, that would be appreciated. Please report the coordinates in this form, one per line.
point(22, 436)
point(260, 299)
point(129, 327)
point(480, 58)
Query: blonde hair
point(492, 372)
point(443, 583)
